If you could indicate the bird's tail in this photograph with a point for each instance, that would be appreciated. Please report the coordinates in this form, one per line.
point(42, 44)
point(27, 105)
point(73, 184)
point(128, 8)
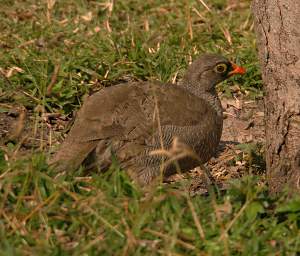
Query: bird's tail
point(71, 155)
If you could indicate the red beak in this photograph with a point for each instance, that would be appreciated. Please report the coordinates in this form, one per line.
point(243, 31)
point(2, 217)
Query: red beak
point(236, 70)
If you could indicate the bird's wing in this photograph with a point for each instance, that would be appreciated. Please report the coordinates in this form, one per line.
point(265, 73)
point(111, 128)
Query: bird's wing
point(130, 111)
point(127, 112)
point(110, 113)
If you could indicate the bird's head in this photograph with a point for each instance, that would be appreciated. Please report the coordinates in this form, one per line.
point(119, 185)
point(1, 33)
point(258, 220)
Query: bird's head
point(209, 70)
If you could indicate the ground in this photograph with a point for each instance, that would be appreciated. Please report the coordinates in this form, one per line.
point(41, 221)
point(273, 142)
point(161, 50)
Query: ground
point(52, 54)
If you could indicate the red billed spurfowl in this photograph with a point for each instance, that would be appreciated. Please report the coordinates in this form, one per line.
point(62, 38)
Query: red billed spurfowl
point(132, 120)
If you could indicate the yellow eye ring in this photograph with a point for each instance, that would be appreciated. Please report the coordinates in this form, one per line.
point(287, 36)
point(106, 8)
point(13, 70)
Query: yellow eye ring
point(220, 68)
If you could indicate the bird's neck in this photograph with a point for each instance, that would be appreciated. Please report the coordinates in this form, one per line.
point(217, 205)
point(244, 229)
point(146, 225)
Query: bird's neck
point(215, 102)
point(210, 97)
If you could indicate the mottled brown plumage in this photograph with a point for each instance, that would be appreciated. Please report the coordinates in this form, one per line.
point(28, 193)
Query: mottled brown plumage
point(131, 120)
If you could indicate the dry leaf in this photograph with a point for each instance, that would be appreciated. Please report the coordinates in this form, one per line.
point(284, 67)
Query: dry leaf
point(50, 4)
point(13, 70)
point(227, 35)
point(87, 17)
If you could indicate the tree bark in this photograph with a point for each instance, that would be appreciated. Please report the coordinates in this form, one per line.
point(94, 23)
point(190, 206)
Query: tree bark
point(277, 25)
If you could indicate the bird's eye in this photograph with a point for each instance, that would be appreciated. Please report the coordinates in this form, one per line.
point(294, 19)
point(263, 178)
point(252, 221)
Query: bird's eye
point(221, 68)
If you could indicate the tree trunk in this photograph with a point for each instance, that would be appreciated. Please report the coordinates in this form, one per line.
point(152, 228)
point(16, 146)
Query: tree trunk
point(277, 24)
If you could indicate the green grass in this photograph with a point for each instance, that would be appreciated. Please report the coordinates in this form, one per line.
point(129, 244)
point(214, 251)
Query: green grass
point(89, 60)
point(93, 47)
point(106, 215)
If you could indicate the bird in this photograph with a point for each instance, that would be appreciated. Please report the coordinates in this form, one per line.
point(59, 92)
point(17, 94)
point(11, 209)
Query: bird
point(138, 123)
